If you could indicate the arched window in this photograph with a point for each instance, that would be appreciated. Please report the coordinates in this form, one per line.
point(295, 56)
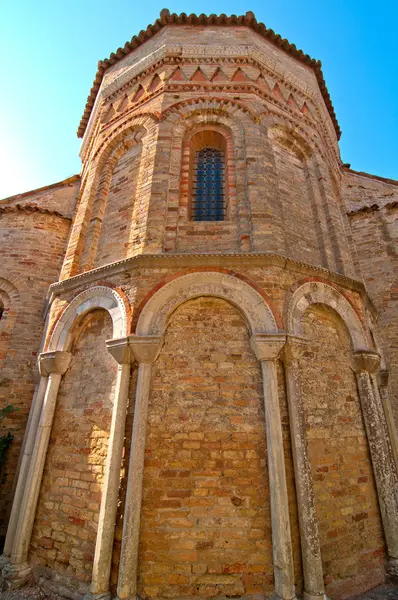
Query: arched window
point(208, 185)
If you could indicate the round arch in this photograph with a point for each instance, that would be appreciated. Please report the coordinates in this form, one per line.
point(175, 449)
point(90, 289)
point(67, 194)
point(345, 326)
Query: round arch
point(154, 315)
point(316, 292)
point(91, 299)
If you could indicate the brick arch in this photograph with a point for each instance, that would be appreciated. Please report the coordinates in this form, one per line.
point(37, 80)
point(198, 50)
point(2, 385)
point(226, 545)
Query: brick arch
point(200, 104)
point(137, 121)
point(136, 130)
point(316, 292)
point(291, 128)
point(9, 302)
point(100, 190)
point(187, 166)
point(231, 127)
point(91, 299)
point(290, 139)
point(156, 312)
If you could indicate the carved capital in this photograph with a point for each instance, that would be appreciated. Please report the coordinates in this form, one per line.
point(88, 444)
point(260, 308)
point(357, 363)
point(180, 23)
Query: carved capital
point(366, 360)
point(294, 349)
point(267, 346)
point(54, 362)
point(120, 350)
point(145, 348)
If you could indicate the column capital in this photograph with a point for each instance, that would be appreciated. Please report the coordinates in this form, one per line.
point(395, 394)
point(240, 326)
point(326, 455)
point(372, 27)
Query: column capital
point(295, 348)
point(145, 349)
point(54, 362)
point(267, 346)
point(366, 360)
point(120, 350)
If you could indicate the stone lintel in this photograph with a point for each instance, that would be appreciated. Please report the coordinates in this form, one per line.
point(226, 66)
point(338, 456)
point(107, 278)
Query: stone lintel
point(120, 349)
point(54, 362)
point(366, 360)
point(267, 346)
point(145, 349)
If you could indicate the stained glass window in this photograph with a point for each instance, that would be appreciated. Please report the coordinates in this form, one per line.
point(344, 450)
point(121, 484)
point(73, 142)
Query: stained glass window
point(208, 185)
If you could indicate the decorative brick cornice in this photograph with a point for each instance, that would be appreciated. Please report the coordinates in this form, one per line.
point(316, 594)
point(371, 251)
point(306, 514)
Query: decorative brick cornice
point(31, 208)
point(373, 208)
point(167, 19)
point(350, 171)
point(185, 260)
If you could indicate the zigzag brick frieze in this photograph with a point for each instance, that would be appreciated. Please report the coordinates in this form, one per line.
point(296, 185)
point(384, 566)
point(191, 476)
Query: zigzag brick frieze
point(245, 20)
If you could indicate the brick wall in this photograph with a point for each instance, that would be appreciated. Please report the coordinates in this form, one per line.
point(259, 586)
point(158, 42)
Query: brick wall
point(31, 249)
point(65, 528)
point(372, 207)
point(296, 205)
point(206, 527)
point(118, 236)
point(352, 542)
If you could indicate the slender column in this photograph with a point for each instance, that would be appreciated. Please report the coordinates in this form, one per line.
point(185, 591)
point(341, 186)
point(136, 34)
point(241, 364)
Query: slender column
point(52, 365)
point(314, 588)
point(24, 468)
point(366, 363)
point(383, 376)
point(267, 349)
point(99, 589)
point(145, 350)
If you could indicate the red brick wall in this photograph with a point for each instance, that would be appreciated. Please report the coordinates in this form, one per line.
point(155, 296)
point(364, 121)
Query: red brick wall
point(67, 515)
point(206, 527)
point(352, 542)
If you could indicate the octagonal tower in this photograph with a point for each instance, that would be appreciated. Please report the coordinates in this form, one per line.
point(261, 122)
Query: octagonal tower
point(213, 416)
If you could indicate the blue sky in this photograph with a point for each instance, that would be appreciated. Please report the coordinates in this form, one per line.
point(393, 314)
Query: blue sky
point(49, 52)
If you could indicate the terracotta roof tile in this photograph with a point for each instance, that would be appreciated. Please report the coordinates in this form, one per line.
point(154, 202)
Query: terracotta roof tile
point(247, 20)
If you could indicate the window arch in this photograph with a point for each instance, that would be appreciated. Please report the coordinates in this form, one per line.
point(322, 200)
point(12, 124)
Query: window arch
point(208, 176)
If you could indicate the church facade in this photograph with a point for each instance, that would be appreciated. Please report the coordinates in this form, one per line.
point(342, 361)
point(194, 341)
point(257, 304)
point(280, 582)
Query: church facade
point(200, 336)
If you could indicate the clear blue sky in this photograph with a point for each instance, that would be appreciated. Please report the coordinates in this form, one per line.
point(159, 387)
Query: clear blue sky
point(49, 51)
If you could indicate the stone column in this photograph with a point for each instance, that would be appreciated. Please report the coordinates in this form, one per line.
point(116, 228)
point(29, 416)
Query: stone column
point(145, 350)
point(309, 536)
point(52, 365)
point(24, 469)
point(383, 377)
point(267, 349)
point(99, 589)
point(365, 364)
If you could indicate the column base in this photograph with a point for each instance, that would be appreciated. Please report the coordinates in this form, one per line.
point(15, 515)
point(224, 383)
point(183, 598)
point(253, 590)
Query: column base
point(392, 566)
point(100, 596)
point(313, 596)
point(16, 576)
point(275, 596)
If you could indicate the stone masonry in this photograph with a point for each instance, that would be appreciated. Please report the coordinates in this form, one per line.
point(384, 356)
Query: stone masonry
point(206, 407)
